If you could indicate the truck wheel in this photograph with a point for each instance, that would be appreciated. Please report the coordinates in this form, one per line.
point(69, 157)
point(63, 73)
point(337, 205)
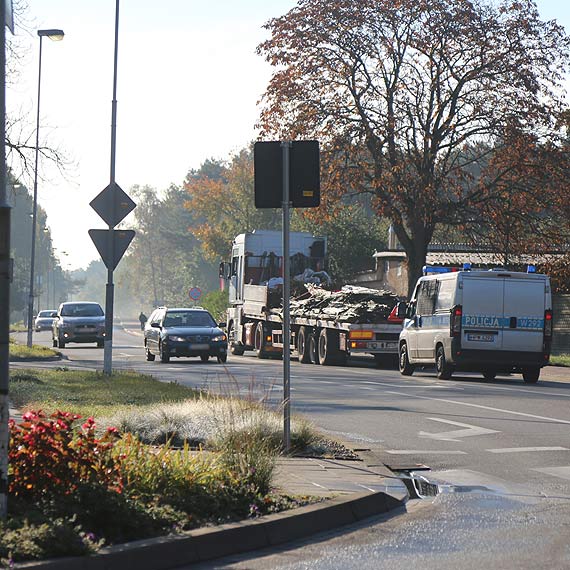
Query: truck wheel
point(314, 347)
point(303, 345)
point(328, 347)
point(531, 374)
point(444, 371)
point(406, 369)
point(235, 347)
point(259, 341)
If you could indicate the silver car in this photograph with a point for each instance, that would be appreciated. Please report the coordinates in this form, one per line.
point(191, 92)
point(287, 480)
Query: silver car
point(79, 322)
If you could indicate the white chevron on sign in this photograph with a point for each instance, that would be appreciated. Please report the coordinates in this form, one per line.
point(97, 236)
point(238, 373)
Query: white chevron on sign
point(454, 435)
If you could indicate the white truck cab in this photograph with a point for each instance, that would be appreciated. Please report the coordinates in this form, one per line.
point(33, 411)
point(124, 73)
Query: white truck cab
point(481, 321)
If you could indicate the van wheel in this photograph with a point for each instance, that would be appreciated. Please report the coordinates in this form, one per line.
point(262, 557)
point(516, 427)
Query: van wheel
point(531, 374)
point(149, 355)
point(444, 371)
point(489, 374)
point(303, 342)
point(406, 369)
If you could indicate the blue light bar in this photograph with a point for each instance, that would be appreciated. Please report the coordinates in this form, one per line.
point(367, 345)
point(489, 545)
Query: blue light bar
point(427, 269)
point(466, 267)
point(531, 269)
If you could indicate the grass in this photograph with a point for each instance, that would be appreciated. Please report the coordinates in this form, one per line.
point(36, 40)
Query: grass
point(90, 393)
point(18, 327)
point(168, 486)
point(35, 352)
point(560, 360)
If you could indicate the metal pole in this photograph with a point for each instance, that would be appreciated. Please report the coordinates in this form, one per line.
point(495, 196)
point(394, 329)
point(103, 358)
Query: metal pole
point(34, 209)
point(5, 278)
point(110, 287)
point(286, 148)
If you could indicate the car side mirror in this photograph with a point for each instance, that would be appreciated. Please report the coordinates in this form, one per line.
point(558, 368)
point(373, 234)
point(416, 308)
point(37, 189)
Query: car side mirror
point(222, 325)
point(401, 309)
point(155, 325)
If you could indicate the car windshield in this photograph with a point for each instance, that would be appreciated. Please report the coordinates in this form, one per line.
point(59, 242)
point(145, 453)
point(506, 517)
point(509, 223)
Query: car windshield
point(45, 314)
point(188, 319)
point(81, 310)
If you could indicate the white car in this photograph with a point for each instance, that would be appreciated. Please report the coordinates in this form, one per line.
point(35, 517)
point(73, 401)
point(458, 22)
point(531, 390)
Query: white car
point(44, 320)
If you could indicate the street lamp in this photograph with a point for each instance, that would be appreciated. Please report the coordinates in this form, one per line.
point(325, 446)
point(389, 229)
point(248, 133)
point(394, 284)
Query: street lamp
point(55, 35)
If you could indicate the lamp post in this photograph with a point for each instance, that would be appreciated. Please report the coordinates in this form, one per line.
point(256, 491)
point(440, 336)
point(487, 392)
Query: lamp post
point(55, 35)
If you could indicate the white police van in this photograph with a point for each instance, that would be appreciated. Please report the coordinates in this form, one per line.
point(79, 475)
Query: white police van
point(481, 321)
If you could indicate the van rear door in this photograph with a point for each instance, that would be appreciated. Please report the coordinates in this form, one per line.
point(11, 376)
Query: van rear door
point(524, 314)
point(482, 320)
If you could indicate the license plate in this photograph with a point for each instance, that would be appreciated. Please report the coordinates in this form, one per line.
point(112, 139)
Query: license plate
point(199, 346)
point(481, 337)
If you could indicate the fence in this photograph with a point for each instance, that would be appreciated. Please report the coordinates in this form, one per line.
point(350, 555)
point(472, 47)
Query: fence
point(561, 337)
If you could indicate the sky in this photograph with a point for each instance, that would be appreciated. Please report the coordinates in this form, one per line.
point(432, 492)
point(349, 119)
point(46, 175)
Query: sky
point(188, 84)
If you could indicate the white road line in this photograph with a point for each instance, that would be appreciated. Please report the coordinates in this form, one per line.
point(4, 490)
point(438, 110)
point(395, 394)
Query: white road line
point(481, 407)
point(468, 431)
point(562, 472)
point(524, 449)
point(422, 452)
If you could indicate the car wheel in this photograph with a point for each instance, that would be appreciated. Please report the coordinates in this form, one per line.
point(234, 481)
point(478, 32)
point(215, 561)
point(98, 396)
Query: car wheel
point(406, 369)
point(204, 357)
point(54, 342)
point(531, 374)
point(164, 357)
point(489, 374)
point(100, 344)
point(149, 355)
point(444, 371)
point(222, 358)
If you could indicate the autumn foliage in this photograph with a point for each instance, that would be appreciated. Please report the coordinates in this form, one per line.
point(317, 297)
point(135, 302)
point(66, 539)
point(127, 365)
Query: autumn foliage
point(410, 100)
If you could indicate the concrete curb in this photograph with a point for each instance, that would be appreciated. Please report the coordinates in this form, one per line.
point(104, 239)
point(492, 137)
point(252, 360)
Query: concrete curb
point(203, 544)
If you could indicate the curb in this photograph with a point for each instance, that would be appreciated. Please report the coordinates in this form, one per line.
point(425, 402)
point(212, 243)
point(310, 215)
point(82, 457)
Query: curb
point(207, 543)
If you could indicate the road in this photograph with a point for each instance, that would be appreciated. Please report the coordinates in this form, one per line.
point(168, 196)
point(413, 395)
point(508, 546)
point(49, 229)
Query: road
point(499, 450)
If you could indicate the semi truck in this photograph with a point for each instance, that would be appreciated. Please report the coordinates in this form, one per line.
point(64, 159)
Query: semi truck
point(327, 327)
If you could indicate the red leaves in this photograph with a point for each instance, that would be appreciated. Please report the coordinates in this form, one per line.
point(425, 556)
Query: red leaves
point(51, 456)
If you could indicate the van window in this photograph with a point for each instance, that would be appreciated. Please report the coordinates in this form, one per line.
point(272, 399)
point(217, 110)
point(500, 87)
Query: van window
point(445, 295)
point(427, 295)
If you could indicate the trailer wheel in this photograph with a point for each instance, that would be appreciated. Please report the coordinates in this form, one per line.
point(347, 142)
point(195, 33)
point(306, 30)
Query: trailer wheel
point(314, 347)
point(303, 345)
point(259, 341)
point(328, 347)
point(235, 347)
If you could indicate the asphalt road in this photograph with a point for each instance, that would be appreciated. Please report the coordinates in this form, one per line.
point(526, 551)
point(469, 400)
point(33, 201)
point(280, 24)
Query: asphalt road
point(499, 450)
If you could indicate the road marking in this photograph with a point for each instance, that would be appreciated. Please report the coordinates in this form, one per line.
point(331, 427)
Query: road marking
point(562, 472)
point(481, 407)
point(524, 449)
point(422, 452)
point(453, 435)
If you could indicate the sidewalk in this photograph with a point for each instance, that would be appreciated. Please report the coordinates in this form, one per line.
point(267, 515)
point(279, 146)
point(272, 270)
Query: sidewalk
point(351, 491)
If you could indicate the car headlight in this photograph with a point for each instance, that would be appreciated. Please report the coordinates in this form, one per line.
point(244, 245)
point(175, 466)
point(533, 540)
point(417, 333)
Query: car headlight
point(176, 338)
point(220, 337)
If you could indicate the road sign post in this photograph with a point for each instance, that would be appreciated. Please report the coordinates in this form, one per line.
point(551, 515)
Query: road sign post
point(286, 174)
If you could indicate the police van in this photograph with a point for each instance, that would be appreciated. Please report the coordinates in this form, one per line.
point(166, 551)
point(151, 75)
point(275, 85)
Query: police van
point(481, 321)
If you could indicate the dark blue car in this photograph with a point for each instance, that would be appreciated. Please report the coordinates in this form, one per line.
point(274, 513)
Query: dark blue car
point(175, 332)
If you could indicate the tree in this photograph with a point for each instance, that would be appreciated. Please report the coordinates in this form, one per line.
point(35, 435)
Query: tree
point(403, 93)
point(222, 201)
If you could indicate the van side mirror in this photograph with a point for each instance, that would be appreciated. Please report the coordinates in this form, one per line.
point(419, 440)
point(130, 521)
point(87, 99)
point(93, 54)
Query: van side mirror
point(401, 309)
